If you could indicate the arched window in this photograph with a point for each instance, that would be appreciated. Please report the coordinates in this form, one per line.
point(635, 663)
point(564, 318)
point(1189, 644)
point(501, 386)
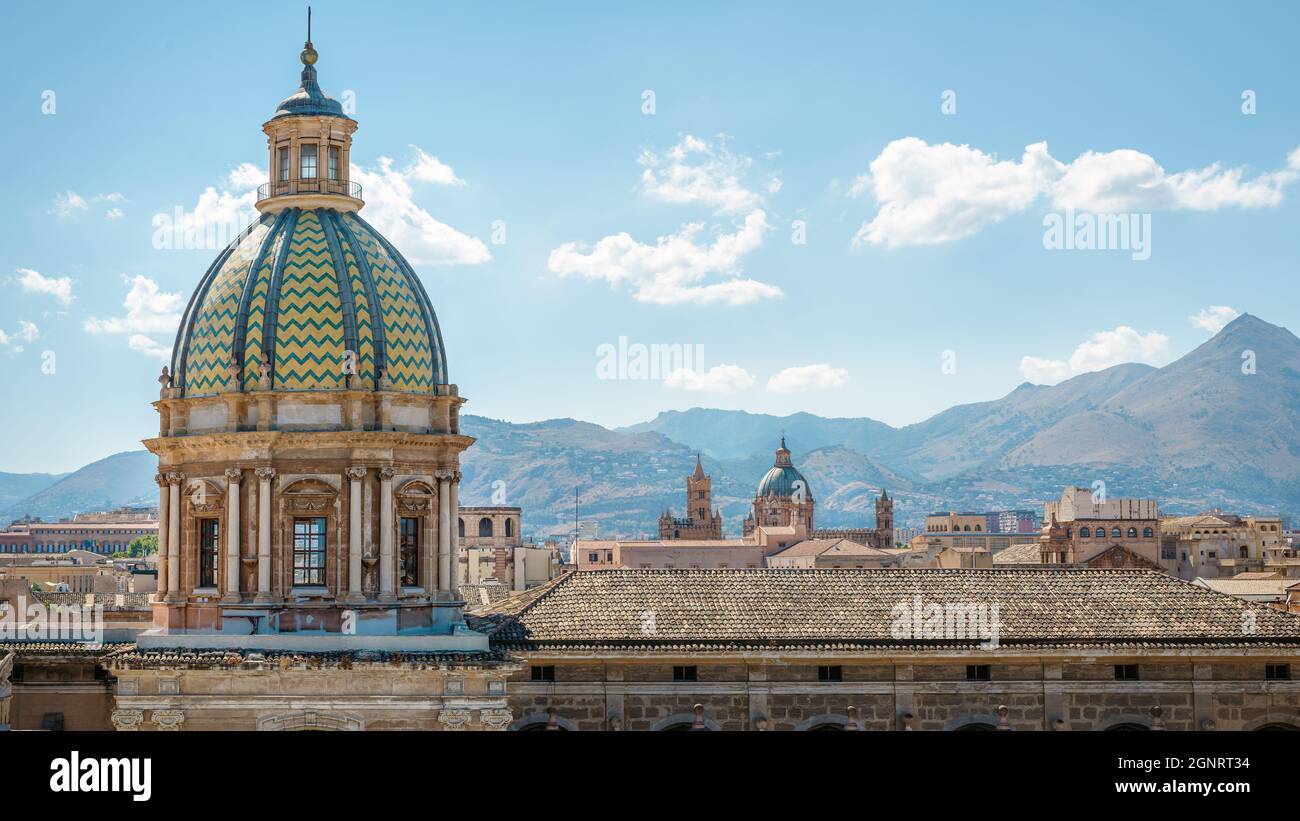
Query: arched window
point(1114, 532)
point(460, 527)
point(1084, 533)
point(1132, 532)
point(1147, 533)
point(485, 526)
point(510, 527)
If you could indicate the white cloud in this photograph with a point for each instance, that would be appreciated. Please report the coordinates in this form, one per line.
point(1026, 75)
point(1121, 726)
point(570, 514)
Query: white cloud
point(421, 238)
point(33, 282)
point(114, 213)
point(27, 332)
point(937, 193)
point(697, 171)
point(68, 203)
point(146, 346)
point(674, 270)
point(718, 379)
point(1044, 371)
point(1213, 318)
point(428, 168)
point(1103, 350)
point(245, 176)
point(149, 310)
point(805, 378)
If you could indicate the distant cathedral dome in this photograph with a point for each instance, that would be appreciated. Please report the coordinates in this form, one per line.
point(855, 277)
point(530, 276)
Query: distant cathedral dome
point(282, 305)
point(784, 480)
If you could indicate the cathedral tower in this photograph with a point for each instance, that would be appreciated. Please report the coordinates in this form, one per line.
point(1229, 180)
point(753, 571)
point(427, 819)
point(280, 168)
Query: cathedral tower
point(702, 521)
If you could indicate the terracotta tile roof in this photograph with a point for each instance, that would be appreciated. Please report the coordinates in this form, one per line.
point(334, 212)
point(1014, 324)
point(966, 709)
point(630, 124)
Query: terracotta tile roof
point(1019, 554)
point(128, 657)
point(816, 547)
point(658, 609)
point(1246, 587)
point(60, 648)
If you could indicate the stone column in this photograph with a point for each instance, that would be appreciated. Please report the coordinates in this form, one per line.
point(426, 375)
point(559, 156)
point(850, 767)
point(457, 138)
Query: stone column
point(355, 474)
point(446, 526)
point(174, 481)
point(163, 498)
point(232, 534)
point(453, 581)
point(387, 562)
point(265, 476)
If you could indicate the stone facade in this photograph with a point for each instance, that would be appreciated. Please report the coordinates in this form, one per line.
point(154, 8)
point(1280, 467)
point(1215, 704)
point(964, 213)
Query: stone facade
point(776, 692)
point(255, 691)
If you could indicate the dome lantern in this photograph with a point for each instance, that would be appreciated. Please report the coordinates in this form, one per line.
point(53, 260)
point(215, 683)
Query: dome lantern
point(309, 139)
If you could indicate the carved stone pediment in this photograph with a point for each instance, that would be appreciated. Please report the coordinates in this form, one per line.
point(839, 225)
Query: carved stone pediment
point(309, 496)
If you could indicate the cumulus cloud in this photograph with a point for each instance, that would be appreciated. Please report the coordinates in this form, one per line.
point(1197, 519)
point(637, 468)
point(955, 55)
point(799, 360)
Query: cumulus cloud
point(149, 311)
point(697, 171)
point(245, 176)
point(718, 379)
point(1044, 371)
point(34, 282)
point(143, 344)
point(220, 213)
point(929, 194)
point(1213, 318)
point(14, 342)
point(804, 378)
point(427, 168)
point(390, 208)
point(1102, 350)
point(678, 268)
point(68, 203)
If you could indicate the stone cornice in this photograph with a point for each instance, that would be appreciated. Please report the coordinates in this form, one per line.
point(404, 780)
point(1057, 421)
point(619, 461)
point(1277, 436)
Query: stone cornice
point(260, 444)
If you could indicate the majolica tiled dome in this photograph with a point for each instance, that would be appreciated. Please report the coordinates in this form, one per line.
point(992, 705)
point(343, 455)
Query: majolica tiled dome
point(298, 289)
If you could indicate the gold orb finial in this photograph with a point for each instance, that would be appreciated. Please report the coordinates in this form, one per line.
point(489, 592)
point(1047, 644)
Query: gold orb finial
point(308, 55)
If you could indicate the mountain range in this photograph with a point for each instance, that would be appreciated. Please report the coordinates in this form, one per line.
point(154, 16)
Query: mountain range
point(1219, 427)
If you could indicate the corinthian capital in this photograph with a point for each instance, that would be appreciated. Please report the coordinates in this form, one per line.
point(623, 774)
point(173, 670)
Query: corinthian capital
point(175, 477)
point(265, 474)
point(386, 473)
point(356, 473)
point(234, 474)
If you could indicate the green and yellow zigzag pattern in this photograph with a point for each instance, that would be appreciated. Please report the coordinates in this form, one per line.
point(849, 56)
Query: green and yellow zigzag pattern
point(208, 360)
point(309, 325)
point(361, 310)
point(309, 339)
point(408, 352)
point(257, 314)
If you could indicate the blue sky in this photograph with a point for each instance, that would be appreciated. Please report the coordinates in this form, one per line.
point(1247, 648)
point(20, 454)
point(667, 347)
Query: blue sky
point(924, 229)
